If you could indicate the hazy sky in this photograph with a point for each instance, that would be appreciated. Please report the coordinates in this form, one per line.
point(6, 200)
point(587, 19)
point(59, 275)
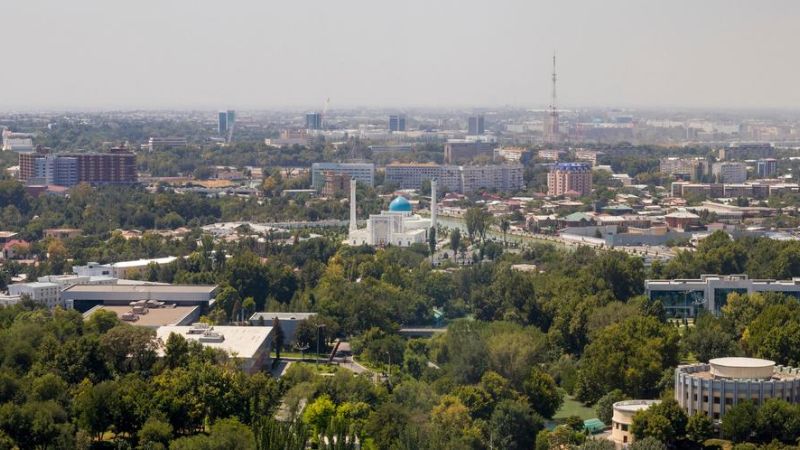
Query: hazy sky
point(265, 54)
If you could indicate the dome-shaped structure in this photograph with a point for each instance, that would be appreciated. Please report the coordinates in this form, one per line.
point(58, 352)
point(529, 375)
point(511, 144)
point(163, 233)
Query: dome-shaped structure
point(400, 204)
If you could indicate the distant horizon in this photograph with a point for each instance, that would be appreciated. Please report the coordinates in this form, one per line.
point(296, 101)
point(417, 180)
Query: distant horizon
point(476, 109)
point(197, 54)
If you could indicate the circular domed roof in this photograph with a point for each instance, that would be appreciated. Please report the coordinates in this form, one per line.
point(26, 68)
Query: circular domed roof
point(400, 204)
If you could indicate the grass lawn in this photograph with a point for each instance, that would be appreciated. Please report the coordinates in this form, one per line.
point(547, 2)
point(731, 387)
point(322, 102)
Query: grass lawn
point(572, 407)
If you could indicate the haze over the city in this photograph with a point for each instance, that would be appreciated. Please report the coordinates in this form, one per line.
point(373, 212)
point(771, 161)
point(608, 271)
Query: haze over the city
point(255, 54)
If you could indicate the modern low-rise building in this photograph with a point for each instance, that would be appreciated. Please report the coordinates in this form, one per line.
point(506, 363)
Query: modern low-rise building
point(122, 269)
point(163, 143)
point(250, 345)
point(46, 294)
point(622, 419)
point(289, 322)
point(716, 387)
point(151, 313)
point(513, 154)
point(85, 297)
point(687, 297)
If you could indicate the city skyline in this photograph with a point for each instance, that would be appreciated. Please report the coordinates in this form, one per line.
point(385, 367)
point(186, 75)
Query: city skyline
point(196, 55)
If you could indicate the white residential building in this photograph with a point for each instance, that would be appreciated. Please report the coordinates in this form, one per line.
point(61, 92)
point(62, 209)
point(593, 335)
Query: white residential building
point(46, 294)
point(462, 179)
point(17, 142)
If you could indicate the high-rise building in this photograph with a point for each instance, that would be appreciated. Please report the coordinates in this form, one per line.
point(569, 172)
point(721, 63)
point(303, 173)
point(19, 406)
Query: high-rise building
point(569, 178)
point(361, 172)
point(314, 121)
point(459, 151)
point(729, 172)
point(397, 122)
point(117, 166)
point(463, 179)
point(222, 123)
point(687, 168)
point(766, 168)
point(225, 123)
point(476, 126)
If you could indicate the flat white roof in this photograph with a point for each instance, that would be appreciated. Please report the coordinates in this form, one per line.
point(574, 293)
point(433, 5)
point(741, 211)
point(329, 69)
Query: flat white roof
point(750, 363)
point(143, 262)
point(634, 405)
point(283, 315)
point(160, 288)
point(244, 342)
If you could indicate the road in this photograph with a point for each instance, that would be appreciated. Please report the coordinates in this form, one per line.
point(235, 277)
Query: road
point(662, 253)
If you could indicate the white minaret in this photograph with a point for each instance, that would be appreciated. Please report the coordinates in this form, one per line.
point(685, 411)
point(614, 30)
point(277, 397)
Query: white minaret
point(353, 224)
point(433, 203)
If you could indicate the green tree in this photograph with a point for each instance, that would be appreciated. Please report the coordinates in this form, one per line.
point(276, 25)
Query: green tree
point(176, 351)
point(699, 428)
point(155, 434)
point(777, 419)
point(514, 426)
point(477, 221)
point(319, 413)
point(278, 338)
point(775, 334)
point(642, 345)
point(432, 240)
point(101, 321)
point(708, 339)
point(225, 434)
point(543, 395)
point(597, 444)
point(505, 225)
point(648, 443)
point(605, 406)
point(664, 421)
point(455, 242)
point(739, 421)
point(96, 406)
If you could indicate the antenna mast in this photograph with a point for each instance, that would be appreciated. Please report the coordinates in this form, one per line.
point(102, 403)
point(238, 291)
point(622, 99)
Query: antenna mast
point(553, 101)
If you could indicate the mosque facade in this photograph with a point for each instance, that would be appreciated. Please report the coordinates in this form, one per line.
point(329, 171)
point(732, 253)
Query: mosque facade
point(397, 226)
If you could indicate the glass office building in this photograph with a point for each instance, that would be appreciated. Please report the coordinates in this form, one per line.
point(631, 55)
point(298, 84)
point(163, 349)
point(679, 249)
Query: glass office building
point(688, 297)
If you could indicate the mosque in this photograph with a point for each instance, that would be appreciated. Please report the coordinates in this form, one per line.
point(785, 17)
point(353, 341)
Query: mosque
point(397, 226)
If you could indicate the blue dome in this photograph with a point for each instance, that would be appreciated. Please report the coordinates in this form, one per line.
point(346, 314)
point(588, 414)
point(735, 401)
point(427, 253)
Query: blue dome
point(400, 204)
